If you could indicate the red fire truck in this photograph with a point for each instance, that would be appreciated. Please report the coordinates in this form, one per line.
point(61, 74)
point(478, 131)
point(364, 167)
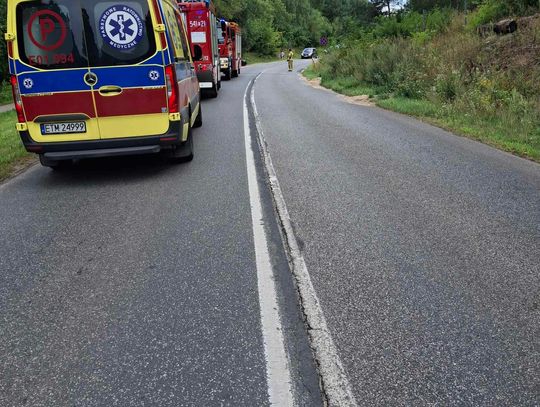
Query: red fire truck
point(230, 48)
point(201, 24)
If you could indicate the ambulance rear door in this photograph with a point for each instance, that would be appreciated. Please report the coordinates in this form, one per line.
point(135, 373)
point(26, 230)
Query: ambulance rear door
point(128, 63)
point(52, 70)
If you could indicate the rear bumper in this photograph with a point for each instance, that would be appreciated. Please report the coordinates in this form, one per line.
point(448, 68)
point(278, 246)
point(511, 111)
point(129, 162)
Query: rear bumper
point(102, 152)
point(104, 148)
point(206, 79)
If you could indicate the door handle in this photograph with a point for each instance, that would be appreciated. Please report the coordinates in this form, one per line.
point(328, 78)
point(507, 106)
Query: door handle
point(110, 90)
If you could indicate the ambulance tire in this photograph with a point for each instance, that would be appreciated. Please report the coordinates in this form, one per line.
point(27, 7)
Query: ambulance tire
point(198, 119)
point(228, 74)
point(219, 82)
point(183, 152)
point(234, 73)
point(56, 165)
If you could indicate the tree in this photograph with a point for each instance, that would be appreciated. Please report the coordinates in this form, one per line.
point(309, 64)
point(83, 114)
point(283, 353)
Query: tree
point(388, 5)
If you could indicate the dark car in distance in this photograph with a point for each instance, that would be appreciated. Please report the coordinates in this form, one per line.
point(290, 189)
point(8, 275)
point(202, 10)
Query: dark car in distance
point(309, 53)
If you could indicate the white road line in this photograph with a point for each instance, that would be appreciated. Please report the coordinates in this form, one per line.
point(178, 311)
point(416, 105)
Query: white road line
point(277, 368)
point(334, 379)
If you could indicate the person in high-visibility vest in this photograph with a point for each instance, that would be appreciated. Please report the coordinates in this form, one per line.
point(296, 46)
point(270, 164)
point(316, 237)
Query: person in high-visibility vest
point(289, 59)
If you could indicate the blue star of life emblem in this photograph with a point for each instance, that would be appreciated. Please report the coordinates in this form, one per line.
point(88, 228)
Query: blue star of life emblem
point(28, 83)
point(121, 27)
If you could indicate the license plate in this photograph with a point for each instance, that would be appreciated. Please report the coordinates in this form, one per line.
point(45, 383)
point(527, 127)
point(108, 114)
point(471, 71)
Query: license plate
point(62, 128)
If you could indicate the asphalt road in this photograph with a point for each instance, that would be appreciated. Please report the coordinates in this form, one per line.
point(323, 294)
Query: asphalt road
point(132, 281)
point(423, 247)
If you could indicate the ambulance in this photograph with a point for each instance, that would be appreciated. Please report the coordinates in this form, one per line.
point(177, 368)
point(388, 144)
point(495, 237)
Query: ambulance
point(95, 78)
point(200, 20)
point(230, 48)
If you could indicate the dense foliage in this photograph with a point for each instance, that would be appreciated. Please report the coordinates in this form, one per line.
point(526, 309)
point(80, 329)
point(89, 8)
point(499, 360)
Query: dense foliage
point(273, 24)
point(487, 84)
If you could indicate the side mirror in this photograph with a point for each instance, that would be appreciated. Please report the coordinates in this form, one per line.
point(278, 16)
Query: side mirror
point(223, 26)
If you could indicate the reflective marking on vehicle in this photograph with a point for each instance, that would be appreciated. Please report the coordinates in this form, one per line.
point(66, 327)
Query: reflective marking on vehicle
point(28, 83)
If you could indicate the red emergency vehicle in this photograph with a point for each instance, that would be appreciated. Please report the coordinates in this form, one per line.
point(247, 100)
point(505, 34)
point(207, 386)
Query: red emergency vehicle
point(201, 23)
point(230, 48)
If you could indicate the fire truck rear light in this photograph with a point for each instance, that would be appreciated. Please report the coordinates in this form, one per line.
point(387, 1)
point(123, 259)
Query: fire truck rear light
point(17, 100)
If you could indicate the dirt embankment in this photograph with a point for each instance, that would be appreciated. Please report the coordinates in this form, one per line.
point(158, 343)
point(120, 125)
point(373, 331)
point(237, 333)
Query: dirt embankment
point(361, 100)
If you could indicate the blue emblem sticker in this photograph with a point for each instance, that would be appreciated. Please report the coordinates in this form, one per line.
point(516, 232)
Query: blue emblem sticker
point(28, 83)
point(121, 27)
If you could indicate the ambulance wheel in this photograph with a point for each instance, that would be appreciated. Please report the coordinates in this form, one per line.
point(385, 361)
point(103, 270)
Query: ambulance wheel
point(219, 82)
point(228, 74)
point(198, 119)
point(57, 165)
point(234, 73)
point(183, 152)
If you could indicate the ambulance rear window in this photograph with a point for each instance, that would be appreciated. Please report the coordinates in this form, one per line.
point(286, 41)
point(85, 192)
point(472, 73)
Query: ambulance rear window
point(48, 34)
point(78, 33)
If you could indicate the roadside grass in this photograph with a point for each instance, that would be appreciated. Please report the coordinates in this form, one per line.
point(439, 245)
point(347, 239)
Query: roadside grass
point(413, 107)
point(310, 72)
point(495, 130)
point(5, 93)
point(520, 136)
point(347, 86)
point(12, 152)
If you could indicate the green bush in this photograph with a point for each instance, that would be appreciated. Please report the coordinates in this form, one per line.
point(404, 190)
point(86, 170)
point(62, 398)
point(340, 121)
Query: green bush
point(447, 85)
point(485, 88)
point(488, 12)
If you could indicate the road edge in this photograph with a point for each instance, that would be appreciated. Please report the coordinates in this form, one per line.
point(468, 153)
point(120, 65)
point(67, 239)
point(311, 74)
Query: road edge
point(333, 378)
point(423, 119)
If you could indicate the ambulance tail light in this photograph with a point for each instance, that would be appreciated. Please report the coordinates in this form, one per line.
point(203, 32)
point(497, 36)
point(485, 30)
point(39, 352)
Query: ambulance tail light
point(17, 99)
point(172, 88)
